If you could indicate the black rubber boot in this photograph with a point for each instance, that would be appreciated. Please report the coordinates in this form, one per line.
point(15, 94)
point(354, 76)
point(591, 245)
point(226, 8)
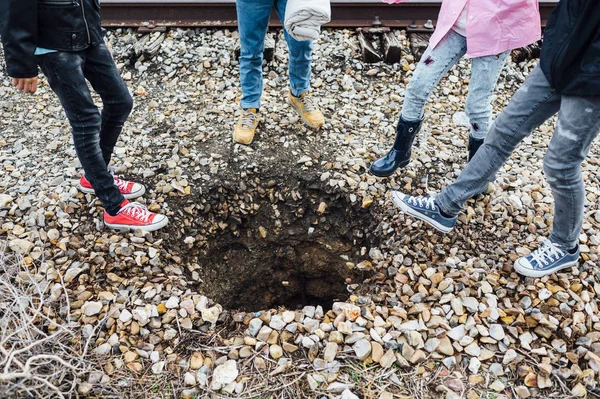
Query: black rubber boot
point(474, 145)
point(399, 155)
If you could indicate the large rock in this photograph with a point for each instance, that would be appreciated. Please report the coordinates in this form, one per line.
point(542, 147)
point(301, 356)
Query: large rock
point(254, 326)
point(211, 315)
point(352, 312)
point(125, 316)
point(330, 351)
point(91, 308)
point(277, 323)
point(362, 349)
point(141, 316)
point(5, 199)
point(223, 375)
point(457, 333)
point(21, 246)
point(497, 332)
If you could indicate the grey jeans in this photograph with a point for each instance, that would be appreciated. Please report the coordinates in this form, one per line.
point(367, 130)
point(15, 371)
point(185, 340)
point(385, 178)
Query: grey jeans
point(435, 63)
point(577, 127)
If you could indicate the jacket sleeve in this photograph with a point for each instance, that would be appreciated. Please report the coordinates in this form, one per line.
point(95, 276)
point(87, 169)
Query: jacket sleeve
point(581, 40)
point(18, 19)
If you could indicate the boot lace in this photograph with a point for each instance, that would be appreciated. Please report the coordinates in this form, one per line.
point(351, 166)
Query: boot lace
point(308, 103)
point(547, 253)
point(422, 202)
point(247, 119)
point(137, 211)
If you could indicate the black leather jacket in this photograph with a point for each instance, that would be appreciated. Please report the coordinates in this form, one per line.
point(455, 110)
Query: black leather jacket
point(67, 25)
point(571, 50)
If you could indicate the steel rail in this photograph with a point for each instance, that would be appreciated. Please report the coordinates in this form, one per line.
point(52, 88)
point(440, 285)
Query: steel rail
point(222, 13)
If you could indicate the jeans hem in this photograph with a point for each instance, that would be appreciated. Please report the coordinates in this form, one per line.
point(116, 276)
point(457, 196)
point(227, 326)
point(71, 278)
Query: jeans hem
point(411, 120)
point(444, 208)
point(478, 135)
point(299, 92)
point(561, 244)
point(247, 105)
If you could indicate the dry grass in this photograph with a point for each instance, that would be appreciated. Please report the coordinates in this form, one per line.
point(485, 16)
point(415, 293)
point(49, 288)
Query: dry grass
point(41, 354)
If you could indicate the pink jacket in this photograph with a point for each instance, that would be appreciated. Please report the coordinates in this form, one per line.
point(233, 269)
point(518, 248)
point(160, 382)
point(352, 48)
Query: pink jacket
point(493, 26)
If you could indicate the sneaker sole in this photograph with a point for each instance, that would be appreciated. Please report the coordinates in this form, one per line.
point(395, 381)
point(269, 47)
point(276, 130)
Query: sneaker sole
point(126, 227)
point(137, 194)
point(407, 209)
point(541, 273)
point(316, 127)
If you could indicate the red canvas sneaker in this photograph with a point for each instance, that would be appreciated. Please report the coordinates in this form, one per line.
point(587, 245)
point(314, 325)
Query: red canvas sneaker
point(129, 189)
point(134, 215)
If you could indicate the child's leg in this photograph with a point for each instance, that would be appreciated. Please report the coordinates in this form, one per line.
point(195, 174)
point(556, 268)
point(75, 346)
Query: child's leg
point(434, 64)
point(300, 56)
point(64, 71)
point(532, 105)
point(253, 20)
point(485, 72)
point(578, 125)
point(100, 70)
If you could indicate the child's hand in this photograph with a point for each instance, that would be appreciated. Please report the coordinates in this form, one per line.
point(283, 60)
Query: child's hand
point(28, 85)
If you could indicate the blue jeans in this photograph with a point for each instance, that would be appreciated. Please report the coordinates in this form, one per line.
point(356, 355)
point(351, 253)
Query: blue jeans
point(253, 21)
point(435, 63)
point(578, 125)
point(94, 134)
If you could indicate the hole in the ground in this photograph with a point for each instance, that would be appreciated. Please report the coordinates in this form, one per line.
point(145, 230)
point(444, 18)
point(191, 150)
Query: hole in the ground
point(304, 250)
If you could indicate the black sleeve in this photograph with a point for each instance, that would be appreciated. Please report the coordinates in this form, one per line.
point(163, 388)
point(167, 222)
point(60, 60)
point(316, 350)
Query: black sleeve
point(585, 34)
point(19, 36)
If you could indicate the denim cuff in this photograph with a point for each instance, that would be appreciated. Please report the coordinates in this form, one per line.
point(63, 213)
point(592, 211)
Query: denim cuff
point(567, 246)
point(250, 104)
point(299, 92)
point(411, 119)
point(446, 205)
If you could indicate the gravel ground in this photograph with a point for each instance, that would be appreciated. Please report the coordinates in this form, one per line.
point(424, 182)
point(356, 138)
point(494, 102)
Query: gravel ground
point(431, 316)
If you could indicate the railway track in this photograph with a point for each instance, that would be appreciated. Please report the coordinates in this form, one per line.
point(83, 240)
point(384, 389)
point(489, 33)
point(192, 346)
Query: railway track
point(221, 13)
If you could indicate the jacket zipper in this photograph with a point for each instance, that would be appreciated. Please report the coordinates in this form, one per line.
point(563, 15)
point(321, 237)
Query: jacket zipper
point(87, 28)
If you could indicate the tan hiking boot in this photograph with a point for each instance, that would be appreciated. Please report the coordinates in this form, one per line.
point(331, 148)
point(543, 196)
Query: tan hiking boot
point(246, 126)
point(307, 109)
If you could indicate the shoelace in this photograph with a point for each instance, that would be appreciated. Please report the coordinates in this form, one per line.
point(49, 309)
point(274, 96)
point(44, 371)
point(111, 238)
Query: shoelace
point(309, 105)
point(547, 253)
point(248, 119)
point(137, 211)
point(121, 184)
point(423, 202)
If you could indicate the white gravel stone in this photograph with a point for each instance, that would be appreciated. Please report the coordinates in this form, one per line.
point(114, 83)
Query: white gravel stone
point(223, 375)
point(362, 349)
point(125, 316)
point(497, 332)
point(91, 308)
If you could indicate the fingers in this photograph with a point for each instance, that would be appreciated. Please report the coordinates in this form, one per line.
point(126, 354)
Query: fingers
point(27, 85)
point(31, 86)
point(34, 85)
